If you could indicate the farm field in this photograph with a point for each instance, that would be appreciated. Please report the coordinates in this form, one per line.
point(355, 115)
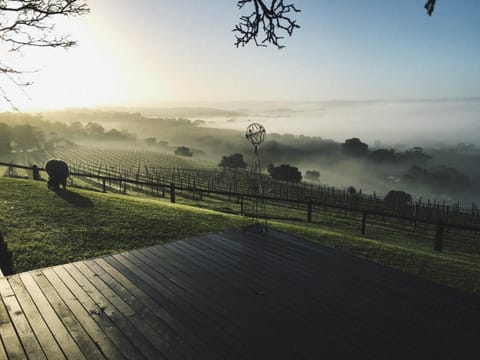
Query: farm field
point(184, 172)
point(204, 186)
point(83, 224)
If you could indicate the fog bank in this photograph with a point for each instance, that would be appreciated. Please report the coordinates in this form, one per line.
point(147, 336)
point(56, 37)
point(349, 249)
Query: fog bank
point(389, 122)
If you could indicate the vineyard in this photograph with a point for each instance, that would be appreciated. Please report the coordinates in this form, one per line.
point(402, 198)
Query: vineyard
point(149, 173)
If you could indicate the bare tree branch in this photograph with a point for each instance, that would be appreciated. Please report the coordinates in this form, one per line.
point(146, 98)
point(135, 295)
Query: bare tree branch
point(31, 23)
point(430, 6)
point(270, 20)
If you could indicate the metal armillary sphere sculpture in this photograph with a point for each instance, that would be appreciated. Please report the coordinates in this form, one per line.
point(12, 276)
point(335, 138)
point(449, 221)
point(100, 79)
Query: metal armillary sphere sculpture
point(255, 208)
point(255, 134)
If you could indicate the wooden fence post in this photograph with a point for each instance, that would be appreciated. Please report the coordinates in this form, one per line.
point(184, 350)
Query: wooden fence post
point(35, 173)
point(104, 185)
point(241, 206)
point(439, 235)
point(309, 211)
point(172, 193)
point(415, 212)
point(364, 222)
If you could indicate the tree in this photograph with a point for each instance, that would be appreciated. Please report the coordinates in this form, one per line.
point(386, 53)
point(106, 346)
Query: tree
point(354, 147)
point(150, 141)
point(285, 172)
point(27, 137)
point(31, 23)
point(183, 151)
point(94, 130)
point(273, 19)
point(116, 135)
point(383, 155)
point(234, 161)
point(397, 199)
point(5, 138)
point(312, 175)
point(449, 179)
point(351, 190)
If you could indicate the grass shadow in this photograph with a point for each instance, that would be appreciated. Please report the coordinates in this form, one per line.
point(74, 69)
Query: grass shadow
point(74, 198)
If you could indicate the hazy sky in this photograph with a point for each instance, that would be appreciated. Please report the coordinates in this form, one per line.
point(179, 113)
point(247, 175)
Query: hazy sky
point(149, 52)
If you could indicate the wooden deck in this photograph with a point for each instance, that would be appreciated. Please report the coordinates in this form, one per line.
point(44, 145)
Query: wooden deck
point(236, 295)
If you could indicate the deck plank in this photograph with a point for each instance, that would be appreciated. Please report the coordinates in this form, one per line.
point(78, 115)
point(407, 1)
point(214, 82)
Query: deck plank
point(199, 293)
point(263, 302)
point(189, 341)
point(121, 341)
point(192, 315)
point(30, 344)
point(45, 337)
point(122, 321)
point(75, 328)
point(150, 338)
point(231, 301)
point(172, 345)
point(235, 295)
point(173, 312)
point(3, 351)
point(11, 342)
point(105, 344)
point(63, 337)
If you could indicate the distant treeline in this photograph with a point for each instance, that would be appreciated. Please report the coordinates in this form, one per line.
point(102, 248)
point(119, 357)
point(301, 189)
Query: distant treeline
point(23, 132)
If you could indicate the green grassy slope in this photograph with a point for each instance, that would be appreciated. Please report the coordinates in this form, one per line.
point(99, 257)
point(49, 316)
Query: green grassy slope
point(43, 228)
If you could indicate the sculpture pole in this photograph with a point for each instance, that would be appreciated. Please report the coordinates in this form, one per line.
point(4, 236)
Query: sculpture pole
point(255, 207)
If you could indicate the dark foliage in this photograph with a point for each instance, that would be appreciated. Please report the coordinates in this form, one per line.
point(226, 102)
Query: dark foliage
point(183, 151)
point(5, 138)
point(150, 141)
point(285, 172)
point(6, 264)
point(354, 147)
point(234, 161)
point(383, 155)
point(351, 190)
point(397, 199)
point(312, 175)
point(440, 178)
point(23, 132)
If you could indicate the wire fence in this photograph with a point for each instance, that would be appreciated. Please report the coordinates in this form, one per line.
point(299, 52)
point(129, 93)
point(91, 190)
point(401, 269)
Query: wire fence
point(450, 227)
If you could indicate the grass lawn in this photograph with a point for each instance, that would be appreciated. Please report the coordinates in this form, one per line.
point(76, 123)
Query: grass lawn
point(43, 228)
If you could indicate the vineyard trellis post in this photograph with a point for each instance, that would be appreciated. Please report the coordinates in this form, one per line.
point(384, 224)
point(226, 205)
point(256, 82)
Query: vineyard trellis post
point(172, 193)
point(440, 229)
point(309, 211)
point(364, 222)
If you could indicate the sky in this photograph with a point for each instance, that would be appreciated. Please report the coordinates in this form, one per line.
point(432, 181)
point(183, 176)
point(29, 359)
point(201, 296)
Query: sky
point(153, 53)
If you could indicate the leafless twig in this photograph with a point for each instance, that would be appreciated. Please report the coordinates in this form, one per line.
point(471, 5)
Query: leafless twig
point(270, 20)
point(430, 6)
point(31, 23)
